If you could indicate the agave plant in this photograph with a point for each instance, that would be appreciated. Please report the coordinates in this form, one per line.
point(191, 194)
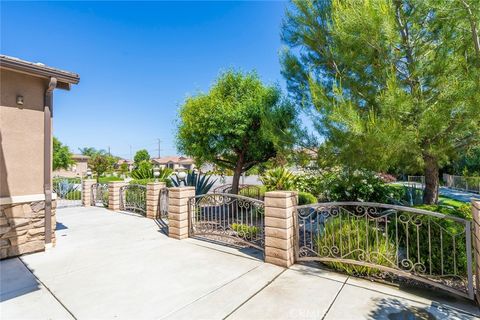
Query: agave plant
point(202, 184)
point(64, 187)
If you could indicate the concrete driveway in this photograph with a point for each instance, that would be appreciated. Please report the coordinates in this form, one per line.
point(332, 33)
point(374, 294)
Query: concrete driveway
point(114, 265)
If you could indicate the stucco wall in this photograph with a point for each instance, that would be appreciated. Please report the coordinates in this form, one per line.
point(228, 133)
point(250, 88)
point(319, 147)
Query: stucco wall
point(21, 134)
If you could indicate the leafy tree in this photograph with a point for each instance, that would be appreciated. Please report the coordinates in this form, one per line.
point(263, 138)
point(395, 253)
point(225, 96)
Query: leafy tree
point(123, 169)
point(468, 163)
point(101, 163)
point(141, 155)
point(144, 170)
point(62, 157)
point(395, 83)
point(90, 151)
point(238, 124)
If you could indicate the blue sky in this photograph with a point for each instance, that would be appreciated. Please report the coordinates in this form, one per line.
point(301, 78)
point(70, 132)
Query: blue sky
point(138, 61)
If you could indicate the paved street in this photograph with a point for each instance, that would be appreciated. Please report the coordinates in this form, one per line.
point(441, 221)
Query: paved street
point(114, 265)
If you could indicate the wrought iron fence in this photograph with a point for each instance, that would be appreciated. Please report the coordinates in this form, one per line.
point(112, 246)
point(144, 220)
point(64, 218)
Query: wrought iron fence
point(234, 219)
point(99, 194)
point(388, 241)
point(133, 198)
point(68, 191)
point(247, 190)
point(469, 184)
point(417, 181)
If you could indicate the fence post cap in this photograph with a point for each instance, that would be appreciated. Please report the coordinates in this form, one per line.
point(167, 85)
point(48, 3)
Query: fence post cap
point(281, 194)
point(117, 182)
point(176, 189)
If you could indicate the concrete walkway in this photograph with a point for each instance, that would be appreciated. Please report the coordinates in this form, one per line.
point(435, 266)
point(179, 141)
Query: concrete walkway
point(111, 265)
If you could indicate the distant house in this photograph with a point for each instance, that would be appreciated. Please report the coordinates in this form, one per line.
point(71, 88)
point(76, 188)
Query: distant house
point(130, 164)
point(174, 162)
point(78, 169)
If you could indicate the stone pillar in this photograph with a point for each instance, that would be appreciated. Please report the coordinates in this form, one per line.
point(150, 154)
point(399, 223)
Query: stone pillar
point(279, 227)
point(476, 245)
point(153, 194)
point(114, 194)
point(178, 211)
point(87, 192)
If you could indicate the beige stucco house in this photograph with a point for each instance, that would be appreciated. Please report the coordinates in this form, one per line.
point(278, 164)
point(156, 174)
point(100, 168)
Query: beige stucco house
point(27, 205)
point(77, 169)
point(174, 162)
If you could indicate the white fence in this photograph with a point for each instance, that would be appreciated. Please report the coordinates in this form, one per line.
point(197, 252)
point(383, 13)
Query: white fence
point(469, 184)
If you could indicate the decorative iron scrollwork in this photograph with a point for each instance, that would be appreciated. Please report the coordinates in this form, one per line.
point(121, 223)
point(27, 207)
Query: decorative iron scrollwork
point(379, 239)
point(235, 219)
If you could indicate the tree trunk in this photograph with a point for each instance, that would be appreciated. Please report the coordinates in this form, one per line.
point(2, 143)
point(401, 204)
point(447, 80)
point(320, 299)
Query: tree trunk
point(237, 173)
point(430, 195)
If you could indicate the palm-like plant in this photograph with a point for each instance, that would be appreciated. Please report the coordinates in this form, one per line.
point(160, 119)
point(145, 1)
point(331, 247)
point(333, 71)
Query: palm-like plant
point(145, 172)
point(202, 184)
point(279, 179)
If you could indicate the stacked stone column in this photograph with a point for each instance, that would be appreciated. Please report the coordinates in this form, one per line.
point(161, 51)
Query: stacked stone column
point(153, 194)
point(178, 211)
point(476, 245)
point(279, 227)
point(114, 194)
point(87, 192)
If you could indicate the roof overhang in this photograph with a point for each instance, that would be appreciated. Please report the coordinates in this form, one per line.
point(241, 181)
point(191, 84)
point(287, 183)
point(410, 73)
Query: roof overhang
point(64, 78)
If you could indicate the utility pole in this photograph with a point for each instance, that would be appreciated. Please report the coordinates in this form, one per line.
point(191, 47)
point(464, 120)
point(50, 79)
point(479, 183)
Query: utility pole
point(158, 140)
point(109, 151)
point(130, 152)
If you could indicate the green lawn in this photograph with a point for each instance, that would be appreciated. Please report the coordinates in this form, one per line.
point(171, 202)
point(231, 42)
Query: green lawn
point(450, 202)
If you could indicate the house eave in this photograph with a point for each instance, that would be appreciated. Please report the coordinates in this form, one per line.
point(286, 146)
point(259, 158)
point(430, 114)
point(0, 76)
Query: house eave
point(64, 78)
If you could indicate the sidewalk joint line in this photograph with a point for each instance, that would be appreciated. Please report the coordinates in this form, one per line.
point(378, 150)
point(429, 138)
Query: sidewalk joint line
point(48, 289)
point(209, 293)
point(334, 299)
point(253, 295)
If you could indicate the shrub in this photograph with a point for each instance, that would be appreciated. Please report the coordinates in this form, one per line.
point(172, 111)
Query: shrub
point(245, 231)
point(278, 179)
point(257, 192)
point(387, 178)
point(306, 198)
point(310, 181)
point(74, 195)
point(107, 179)
point(350, 237)
point(340, 184)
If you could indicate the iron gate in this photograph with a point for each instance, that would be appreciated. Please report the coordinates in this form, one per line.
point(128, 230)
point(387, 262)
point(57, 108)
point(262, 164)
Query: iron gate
point(388, 241)
point(99, 195)
point(232, 219)
point(68, 191)
point(133, 198)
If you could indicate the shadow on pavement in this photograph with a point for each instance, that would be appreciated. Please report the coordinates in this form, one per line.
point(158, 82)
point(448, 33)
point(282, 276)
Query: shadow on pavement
point(15, 279)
